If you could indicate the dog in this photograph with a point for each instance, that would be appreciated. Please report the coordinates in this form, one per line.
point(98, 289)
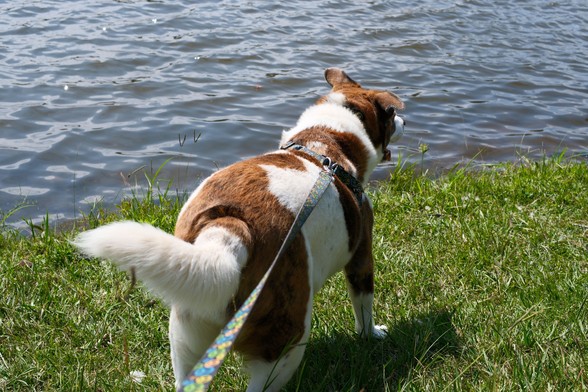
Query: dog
point(231, 227)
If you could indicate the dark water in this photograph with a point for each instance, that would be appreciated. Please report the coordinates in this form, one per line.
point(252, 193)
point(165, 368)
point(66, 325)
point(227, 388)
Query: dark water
point(92, 94)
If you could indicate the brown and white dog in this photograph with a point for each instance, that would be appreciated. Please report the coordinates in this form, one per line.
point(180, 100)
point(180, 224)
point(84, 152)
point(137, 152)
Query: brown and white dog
point(230, 229)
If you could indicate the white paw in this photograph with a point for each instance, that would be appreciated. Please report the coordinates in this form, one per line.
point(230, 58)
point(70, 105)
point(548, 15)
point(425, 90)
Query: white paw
point(380, 331)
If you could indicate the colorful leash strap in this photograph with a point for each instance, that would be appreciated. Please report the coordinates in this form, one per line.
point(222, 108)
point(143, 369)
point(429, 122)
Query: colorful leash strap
point(204, 371)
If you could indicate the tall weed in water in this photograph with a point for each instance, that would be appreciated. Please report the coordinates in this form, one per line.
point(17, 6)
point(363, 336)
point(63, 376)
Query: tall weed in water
point(5, 215)
point(156, 203)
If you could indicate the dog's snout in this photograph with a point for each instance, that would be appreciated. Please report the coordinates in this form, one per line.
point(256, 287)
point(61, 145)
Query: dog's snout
point(399, 124)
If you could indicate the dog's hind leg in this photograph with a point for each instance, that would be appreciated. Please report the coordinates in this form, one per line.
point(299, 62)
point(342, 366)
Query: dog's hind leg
point(272, 376)
point(189, 338)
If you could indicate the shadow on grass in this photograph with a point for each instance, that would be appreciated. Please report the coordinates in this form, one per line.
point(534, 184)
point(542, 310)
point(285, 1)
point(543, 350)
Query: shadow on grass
point(345, 362)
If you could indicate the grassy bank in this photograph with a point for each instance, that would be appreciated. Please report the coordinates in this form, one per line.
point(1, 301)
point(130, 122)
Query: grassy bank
point(482, 279)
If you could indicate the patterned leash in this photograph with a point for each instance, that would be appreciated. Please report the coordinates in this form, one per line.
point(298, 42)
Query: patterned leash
point(204, 371)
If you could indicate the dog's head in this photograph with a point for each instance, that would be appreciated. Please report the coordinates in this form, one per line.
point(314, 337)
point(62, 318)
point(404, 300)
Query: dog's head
point(375, 108)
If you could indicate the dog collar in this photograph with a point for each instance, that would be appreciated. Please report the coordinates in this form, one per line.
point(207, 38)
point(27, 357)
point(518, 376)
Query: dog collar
point(343, 175)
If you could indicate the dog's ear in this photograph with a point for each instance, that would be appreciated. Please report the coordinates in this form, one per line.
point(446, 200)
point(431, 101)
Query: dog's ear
point(336, 76)
point(389, 102)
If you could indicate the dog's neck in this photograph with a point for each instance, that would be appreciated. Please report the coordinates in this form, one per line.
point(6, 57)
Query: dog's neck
point(347, 143)
point(344, 176)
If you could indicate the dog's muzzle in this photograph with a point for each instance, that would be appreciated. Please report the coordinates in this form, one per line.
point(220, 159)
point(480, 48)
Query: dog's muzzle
point(398, 132)
point(399, 129)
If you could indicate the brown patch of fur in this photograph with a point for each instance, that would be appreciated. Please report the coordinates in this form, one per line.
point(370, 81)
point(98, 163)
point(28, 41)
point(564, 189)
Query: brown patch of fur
point(238, 199)
point(227, 216)
point(237, 192)
point(353, 218)
point(360, 270)
point(277, 319)
point(340, 147)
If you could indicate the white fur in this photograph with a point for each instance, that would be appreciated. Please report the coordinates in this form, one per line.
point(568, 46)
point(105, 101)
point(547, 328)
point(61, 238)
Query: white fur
point(336, 98)
point(291, 193)
point(399, 124)
point(323, 228)
point(317, 147)
point(340, 119)
point(200, 277)
point(364, 319)
point(189, 337)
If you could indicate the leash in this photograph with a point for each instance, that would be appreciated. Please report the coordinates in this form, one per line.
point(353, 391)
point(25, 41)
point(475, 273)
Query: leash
point(204, 371)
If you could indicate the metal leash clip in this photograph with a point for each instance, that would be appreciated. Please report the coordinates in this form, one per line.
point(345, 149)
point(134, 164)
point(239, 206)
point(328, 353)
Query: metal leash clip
point(328, 165)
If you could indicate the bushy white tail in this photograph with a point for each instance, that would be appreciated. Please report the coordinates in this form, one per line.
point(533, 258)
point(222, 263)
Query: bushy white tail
point(201, 277)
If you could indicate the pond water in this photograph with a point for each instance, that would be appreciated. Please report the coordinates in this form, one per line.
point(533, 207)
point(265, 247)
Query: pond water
point(95, 94)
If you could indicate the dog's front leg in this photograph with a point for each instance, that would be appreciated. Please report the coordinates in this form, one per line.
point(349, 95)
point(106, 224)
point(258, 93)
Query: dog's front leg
point(360, 283)
point(362, 300)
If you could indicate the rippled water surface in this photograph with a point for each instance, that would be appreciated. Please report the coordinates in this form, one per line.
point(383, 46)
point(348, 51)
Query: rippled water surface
point(93, 94)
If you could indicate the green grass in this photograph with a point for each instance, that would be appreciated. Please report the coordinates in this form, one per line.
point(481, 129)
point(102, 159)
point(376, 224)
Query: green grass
point(482, 279)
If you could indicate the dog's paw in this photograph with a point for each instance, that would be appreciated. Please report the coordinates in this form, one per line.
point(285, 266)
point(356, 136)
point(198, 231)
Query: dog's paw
point(377, 332)
point(380, 331)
